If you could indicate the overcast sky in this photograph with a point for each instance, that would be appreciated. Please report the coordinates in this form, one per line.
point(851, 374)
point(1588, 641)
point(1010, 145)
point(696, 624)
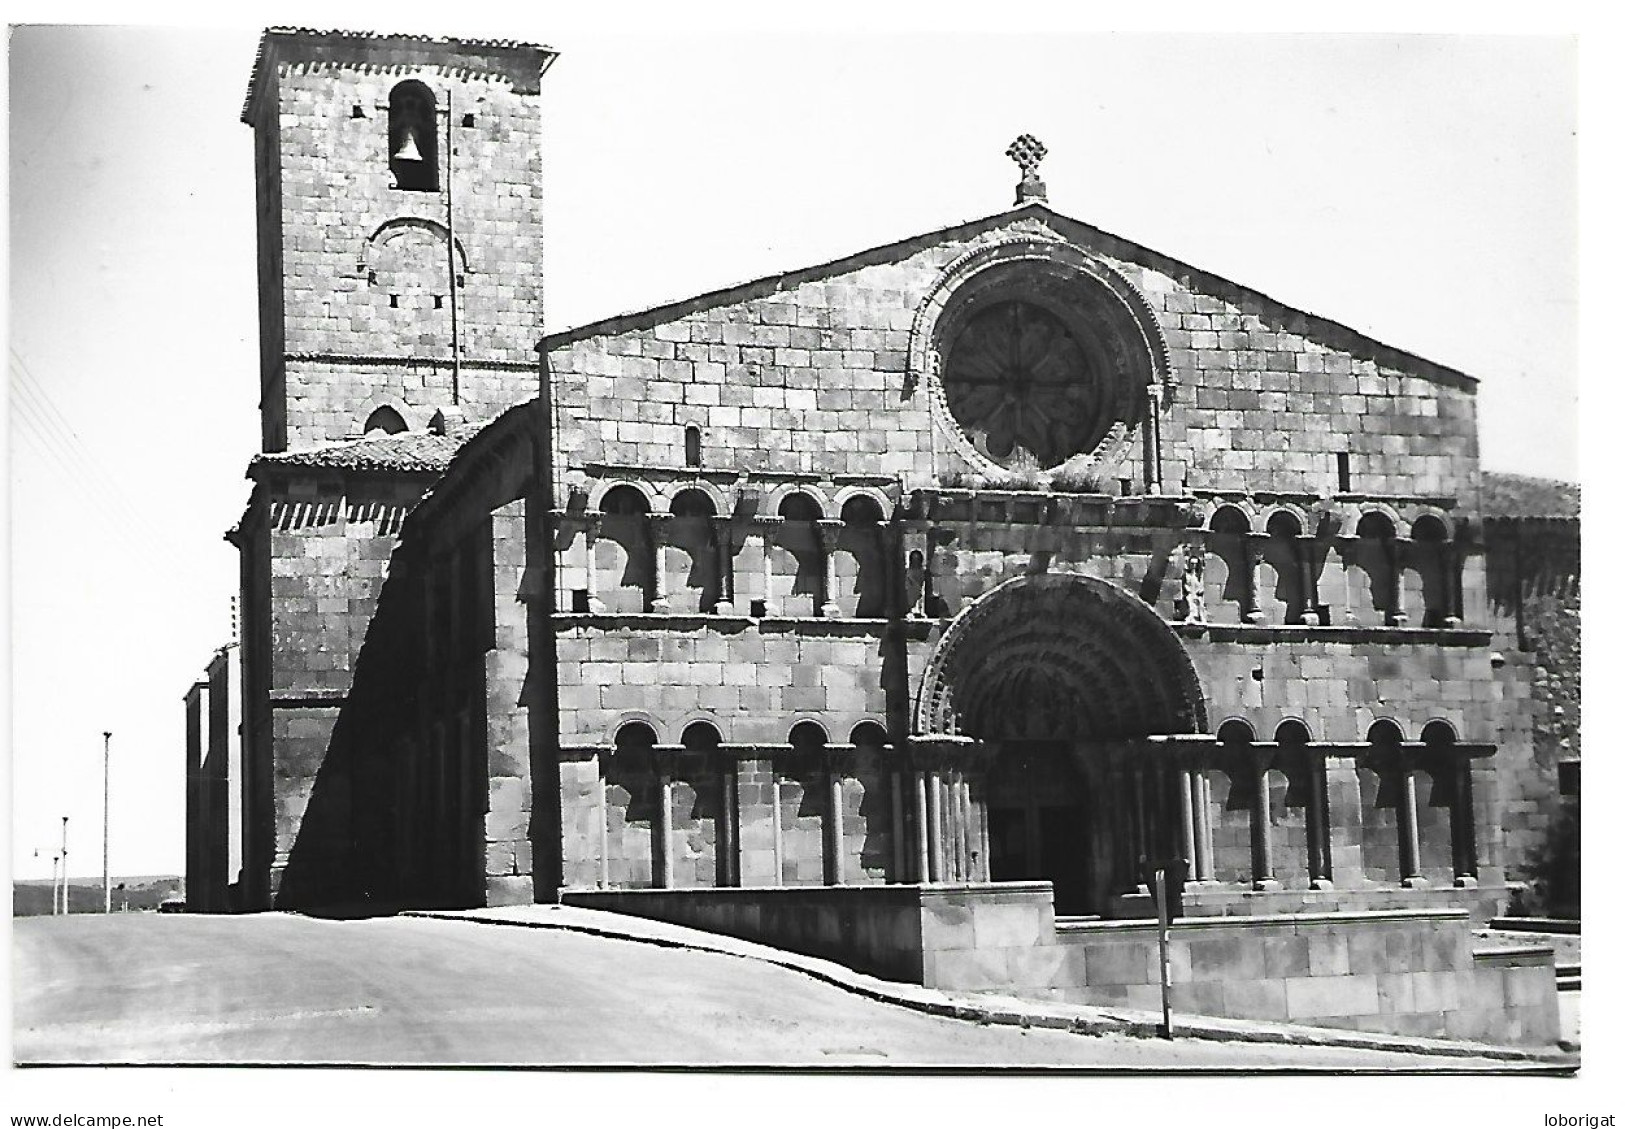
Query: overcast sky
point(1421, 190)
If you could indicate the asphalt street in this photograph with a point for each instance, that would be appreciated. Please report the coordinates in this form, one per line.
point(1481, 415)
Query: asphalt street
point(278, 988)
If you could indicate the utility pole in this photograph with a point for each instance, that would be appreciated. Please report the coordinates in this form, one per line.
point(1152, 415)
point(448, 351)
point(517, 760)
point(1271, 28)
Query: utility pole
point(107, 887)
point(64, 866)
point(56, 880)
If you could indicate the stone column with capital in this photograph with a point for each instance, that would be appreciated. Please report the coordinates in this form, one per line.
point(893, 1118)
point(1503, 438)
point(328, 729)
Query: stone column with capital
point(1153, 426)
point(1317, 819)
point(1187, 821)
point(665, 838)
point(1204, 826)
point(1463, 832)
point(1410, 845)
point(727, 871)
point(1252, 554)
point(722, 542)
point(1395, 547)
point(933, 821)
point(922, 828)
point(659, 535)
point(766, 527)
point(1346, 547)
point(1450, 565)
point(829, 533)
point(1307, 588)
point(835, 864)
point(1263, 832)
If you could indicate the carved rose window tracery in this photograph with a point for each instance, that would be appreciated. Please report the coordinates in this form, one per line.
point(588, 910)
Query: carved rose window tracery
point(1021, 386)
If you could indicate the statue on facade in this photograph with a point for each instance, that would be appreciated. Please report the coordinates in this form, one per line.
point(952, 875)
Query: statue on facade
point(1192, 584)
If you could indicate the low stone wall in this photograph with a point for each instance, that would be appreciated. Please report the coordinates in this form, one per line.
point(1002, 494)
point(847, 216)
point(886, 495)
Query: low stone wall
point(1482, 902)
point(874, 929)
point(971, 936)
point(1403, 971)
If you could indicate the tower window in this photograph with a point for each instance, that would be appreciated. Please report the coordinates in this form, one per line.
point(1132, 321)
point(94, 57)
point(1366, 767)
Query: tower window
point(1344, 479)
point(691, 446)
point(414, 151)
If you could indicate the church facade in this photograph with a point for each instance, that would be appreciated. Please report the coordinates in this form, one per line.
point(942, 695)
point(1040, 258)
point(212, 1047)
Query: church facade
point(1009, 552)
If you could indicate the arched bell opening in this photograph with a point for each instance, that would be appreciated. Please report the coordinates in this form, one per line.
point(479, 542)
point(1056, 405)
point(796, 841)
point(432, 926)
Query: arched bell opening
point(1061, 678)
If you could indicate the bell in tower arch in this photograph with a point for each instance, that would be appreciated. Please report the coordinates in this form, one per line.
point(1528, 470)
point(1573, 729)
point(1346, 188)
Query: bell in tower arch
point(408, 148)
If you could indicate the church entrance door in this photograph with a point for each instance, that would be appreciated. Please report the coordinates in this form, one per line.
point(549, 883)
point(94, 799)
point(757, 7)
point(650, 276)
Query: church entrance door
point(1038, 823)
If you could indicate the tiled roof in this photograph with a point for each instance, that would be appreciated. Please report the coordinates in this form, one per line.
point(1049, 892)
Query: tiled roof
point(406, 451)
point(1521, 495)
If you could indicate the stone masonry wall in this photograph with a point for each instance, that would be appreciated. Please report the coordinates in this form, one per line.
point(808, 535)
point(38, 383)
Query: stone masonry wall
point(327, 544)
point(754, 685)
point(810, 377)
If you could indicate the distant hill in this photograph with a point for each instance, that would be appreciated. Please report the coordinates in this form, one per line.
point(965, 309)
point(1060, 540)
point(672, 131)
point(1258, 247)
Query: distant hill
point(32, 898)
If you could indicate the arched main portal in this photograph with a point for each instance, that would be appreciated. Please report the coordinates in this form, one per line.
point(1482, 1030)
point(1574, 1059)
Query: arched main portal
point(1059, 677)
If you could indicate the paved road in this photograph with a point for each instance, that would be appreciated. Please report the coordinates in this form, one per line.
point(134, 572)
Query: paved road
point(280, 988)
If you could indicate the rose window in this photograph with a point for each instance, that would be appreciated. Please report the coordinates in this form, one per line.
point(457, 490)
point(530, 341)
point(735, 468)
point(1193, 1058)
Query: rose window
point(1022, 388)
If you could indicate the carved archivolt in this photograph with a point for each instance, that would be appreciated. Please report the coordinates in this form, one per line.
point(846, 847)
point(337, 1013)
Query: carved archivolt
point(1058, 656)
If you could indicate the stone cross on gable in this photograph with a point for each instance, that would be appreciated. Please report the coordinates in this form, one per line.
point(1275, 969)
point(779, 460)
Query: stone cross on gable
point(1026, 151)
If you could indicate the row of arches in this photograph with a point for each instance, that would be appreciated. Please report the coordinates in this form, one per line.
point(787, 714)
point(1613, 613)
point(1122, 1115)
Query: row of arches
point(1245, 812)
point(702, 736)
point(1261, 793)
point(1286, 573)
point(670, 816)
point(687, 559)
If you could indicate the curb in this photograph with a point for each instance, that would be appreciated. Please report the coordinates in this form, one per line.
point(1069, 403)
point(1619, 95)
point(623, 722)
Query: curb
point(1009, 1012)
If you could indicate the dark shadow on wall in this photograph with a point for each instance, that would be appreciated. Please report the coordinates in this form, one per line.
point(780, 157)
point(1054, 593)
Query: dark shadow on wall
point(395, 810)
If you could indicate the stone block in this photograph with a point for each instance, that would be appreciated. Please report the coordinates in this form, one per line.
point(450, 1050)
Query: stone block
point(1204, 998)
point(1330, 996)
point(1235, 956)
point(1368, 950)
point(1328, 953)
point(1254, 999)
point(1285, 956)
point(509, 891)
point(1395, 992)
point(1530, 986)
point(1121, 962)
point(968, 969)
point(1012, 925)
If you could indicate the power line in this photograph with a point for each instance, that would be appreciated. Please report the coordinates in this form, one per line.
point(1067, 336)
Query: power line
point(40, 415)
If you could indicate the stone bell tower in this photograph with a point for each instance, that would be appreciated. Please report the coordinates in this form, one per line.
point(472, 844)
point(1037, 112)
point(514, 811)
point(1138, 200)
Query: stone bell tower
point(398, 195)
